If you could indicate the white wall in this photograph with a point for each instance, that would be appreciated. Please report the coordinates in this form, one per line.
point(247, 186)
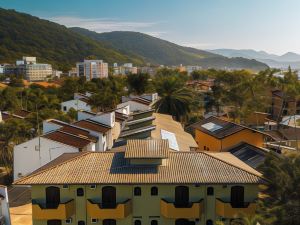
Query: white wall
point(124, 110)
point(75, 104)
point(134, 106)
point(105, 118)
point(28, 158)
point(48, 126)
point(5, 205)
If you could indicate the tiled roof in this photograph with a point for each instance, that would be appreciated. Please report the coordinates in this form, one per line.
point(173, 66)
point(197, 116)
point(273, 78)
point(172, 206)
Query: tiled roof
point(147, 149)
point(22, 113)
point(226, 128)
point(91, 125)
point(67, 128)
point(113, 168)
point(67, 139)
point(165, 122)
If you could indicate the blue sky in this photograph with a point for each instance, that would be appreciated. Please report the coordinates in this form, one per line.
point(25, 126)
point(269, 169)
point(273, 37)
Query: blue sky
point(270, 25)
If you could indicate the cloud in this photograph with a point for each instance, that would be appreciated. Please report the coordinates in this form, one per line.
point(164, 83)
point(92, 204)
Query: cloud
point(107, 24)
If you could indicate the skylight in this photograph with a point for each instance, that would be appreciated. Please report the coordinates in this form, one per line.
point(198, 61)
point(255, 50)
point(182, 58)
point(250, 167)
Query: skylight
point(211, 126)
point(171, 138)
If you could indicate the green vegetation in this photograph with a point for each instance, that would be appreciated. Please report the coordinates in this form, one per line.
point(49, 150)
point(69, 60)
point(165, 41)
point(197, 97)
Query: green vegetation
point(157, 51)
point(281, 205)
point(22, 34)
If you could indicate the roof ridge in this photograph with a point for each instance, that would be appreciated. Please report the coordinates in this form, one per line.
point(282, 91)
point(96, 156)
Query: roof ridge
point(51, 167)
point(230, 164)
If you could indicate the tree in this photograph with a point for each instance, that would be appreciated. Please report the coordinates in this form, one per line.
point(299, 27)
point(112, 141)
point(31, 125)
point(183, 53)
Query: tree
point(138, 83)
point(281, 204)
point(175, 98)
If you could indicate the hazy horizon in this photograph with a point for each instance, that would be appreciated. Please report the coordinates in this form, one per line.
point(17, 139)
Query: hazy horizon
point(268, 25)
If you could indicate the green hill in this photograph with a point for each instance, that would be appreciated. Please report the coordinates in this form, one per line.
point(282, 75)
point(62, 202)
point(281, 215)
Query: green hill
point(157, 51)
point(22, 34)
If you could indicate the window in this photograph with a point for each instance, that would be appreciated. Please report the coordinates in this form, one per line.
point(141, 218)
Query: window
point(93, 186)
point(54, 222)
point(204, 147)
point(210, 191)
point(81, 222)
point(154, 191)
point(94, 220)
point(65, 108)
point(154, 222)
point(65, 186)
point(109, 222)
point(237, 197)
point(137, 191)
point(80, 192)
point(137, 222)
point(209, 222)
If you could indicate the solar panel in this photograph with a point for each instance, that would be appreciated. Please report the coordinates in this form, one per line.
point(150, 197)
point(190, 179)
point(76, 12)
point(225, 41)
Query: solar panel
point(211, 126)
point(171, 138)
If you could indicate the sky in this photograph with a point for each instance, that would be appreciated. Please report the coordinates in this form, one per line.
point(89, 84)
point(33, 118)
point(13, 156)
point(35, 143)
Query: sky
point(269, 25)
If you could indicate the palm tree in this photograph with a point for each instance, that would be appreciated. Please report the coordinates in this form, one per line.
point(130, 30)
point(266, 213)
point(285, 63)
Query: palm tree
point(175, 99)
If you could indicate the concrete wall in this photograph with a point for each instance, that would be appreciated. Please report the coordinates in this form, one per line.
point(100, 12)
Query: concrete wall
point(28, 158)
point(75, 104)
point(134, 106)
point(145, 207)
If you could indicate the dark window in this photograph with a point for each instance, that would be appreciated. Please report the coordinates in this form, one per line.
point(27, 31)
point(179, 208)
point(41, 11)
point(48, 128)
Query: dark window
point(182, 222)
point(181, 196)
point(137, 222)
point(210, 191)
point(237, 197)
point(109, 222)
point(80, 192)
point(109, 197)
point(154, 222)
point(204, 147)
point(209, 222)
point(81, 222)
point(154, 191)
point(52, 197)
point(137, 191)
point(65, 108)
point(54, 222)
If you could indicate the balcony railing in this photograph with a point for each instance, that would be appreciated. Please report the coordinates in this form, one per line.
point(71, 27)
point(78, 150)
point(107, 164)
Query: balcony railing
point(191, 211)
point(61, 211)
point(120, 211)
point(226, 210)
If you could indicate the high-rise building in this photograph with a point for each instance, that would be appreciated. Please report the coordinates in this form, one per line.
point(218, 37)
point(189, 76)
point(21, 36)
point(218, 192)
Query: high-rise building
point(92, 69)
point(38, 72)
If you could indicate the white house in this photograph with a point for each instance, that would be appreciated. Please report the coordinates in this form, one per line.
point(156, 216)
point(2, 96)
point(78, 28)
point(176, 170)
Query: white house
point(31, 155)
point(77, 104)
point(4, 206)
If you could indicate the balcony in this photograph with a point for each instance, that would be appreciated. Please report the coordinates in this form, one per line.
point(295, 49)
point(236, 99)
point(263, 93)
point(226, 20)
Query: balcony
point(62, 211)
point(226, 210)
point(193, 211)
point(97, 211)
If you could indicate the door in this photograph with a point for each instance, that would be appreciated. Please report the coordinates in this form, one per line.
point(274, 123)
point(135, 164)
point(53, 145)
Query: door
point(237, 197)
point(181, 196)
point(109, 197)
point(52, 197)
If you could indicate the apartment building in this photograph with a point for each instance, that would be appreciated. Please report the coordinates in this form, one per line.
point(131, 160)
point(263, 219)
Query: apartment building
point(125, 69)
point(38, 72)
point(92, 69)
point(140, 186)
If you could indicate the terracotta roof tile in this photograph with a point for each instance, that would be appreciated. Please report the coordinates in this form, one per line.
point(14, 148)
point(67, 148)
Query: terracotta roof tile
point(113, 168)
point(91, 125)
point(147, 149)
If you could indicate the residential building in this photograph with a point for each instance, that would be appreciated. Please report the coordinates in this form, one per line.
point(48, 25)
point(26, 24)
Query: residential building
point(18, 114)
point(283, 105)
point(79, 102)
point(139, 103)
point(73, 72)
point(4, 207)
point(202, 86)
point(91, 69)
point(41, 150)
point(125, 69)
point(215, 134)
point(38, 72)
point(151, 70)
point(146, 184)
point(191, 69)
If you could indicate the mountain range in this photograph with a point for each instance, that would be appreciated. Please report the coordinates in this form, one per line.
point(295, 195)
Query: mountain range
point(23, 34)
point(275, 61)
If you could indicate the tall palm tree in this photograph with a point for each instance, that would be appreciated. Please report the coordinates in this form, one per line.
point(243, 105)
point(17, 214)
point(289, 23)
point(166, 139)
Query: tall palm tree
point(175, 99)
